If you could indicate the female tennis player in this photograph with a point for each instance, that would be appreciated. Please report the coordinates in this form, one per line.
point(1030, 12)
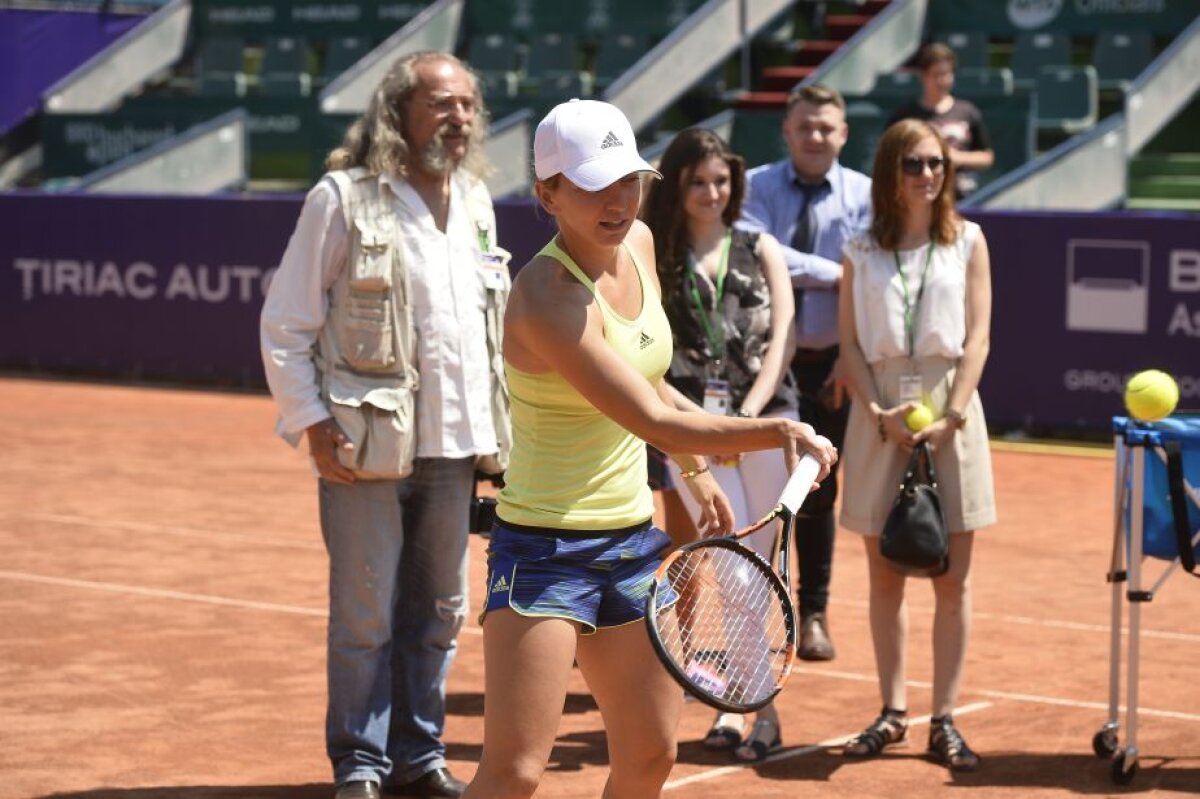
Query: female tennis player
point(573, 552)
point(914, 322)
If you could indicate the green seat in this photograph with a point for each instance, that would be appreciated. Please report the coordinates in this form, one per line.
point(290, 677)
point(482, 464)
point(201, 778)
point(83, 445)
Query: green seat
point(867, 122)
point(520, 17)
point(970, 48)
point(219, 67)
point(904, 84)
point(342, 53)
point(757, 137)
point(1120, 56)
point(616, 53)
point(493, 52)
point(284, 70)
point(1067, 98)
point(1035, 50)
point(1012, 128)
point(983, 82)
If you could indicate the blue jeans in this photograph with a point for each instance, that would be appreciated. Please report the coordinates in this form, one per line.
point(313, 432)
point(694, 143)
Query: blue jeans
point(397, 599)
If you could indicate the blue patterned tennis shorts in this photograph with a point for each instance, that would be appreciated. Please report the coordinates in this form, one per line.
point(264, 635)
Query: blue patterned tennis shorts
point(599, 581)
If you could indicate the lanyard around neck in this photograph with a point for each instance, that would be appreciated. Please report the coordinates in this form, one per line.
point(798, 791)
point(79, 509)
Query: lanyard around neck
point(911, 305)
point(715, 335)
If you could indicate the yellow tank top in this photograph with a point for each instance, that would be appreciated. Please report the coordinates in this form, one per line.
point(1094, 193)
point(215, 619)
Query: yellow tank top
point(572, 467)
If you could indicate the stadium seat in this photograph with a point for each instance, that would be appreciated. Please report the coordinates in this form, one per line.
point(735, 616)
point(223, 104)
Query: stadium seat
point(756, 135)
point(970, 49)
point(285, 68)
point(1120, 56)
point(1033, 51)
point(1067, 98)
point(493, 56)
point(220, 70)
point(559, 87)
point(551, 57)
point(983, 82)
point(341, 54)
point(904, 84)
point(867, 122)
point(616, 53)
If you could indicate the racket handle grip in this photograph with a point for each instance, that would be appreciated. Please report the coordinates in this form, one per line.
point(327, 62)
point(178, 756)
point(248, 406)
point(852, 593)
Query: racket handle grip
point(800, 482)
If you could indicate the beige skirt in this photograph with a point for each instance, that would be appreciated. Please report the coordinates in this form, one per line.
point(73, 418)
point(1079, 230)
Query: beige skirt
point(872, 468)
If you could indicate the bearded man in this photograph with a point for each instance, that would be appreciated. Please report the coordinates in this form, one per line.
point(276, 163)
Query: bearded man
point(380, 337)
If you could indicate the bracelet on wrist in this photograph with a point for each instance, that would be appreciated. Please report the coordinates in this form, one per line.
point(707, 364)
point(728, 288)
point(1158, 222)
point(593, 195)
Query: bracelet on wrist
point(743, 414)
point(690, 473)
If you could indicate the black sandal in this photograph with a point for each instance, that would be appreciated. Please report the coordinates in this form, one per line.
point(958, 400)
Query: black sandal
point(891, 728)
point(723, 735)
point(764, 738)
point(946, 746)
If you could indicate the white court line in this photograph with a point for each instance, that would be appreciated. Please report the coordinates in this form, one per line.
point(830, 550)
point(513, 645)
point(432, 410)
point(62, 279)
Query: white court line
point(1015, 697)
point(307, 544)
point(1058, 624)
point(158, 593)
point(788, 754)
point(173, 530)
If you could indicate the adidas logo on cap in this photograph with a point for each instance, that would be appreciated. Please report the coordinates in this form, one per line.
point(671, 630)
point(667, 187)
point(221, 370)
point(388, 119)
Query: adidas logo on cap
point(611, 140)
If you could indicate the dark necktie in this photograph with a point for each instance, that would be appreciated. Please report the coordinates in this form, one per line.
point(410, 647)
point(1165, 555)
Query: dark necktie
point(806, 221)
point(806, 229)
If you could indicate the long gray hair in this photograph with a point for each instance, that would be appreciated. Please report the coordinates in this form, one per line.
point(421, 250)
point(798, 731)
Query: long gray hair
point(377, 141)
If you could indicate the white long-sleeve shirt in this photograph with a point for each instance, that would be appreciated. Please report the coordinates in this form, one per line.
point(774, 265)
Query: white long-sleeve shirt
point(453, 414)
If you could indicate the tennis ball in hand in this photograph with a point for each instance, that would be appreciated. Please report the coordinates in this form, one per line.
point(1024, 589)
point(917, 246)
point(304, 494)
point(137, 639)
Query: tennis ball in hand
point(919, 418)
point(1151, 395)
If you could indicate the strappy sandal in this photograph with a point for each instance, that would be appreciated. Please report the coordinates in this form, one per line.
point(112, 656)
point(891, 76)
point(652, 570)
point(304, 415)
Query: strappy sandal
point(890, 729)
point(764, 738)
point(725, 733)
point(946, 746)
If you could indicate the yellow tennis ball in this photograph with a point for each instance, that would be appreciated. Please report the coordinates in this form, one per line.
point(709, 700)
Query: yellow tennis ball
point(919, 418)
point(1151, 395)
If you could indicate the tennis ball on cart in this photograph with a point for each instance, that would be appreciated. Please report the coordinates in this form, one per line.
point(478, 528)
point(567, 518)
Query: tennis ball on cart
point(1151, 395)
point(919, 418)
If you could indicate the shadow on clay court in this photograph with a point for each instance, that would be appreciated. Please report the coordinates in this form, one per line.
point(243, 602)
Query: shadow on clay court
point(310, 791)
point(470, 704)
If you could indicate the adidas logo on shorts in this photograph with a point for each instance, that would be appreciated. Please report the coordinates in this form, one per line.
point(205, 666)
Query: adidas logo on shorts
point(644, 341)
point(500, 585)
point(611, 140)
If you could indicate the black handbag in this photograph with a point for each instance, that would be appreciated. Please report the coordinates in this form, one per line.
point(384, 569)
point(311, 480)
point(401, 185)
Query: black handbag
point(915, 539)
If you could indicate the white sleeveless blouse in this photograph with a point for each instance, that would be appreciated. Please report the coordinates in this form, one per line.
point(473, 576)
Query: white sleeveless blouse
point(940, 318)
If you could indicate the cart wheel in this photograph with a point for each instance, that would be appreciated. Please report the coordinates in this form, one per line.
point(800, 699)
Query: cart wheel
point(1121, 775)
point(1104, 743)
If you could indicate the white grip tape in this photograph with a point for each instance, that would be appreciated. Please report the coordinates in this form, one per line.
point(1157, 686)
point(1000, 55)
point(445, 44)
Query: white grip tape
point(799, 484)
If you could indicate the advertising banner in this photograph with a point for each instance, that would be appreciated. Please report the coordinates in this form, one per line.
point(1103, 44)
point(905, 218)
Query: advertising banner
point(170, 289)
point(156, 288)
point(1080, 302)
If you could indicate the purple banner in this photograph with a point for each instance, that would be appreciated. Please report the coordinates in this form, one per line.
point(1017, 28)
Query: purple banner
point(1081, 301)
point(38, 48)
point(170, 289)
point(156, 288)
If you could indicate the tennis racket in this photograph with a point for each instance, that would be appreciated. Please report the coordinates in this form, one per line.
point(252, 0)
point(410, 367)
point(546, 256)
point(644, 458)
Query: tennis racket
point(721, 619)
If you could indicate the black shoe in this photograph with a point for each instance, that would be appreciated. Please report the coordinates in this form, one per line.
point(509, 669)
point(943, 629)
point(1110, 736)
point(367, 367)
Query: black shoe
point(439, 782)
point(815, 643)
point(946, 746)
point(358, 789)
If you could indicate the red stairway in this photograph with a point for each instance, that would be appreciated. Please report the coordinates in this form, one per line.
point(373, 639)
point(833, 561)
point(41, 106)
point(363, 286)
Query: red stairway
point(808, 55)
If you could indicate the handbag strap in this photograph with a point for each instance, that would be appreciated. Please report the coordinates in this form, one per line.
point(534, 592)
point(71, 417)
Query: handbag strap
point(1183, 539)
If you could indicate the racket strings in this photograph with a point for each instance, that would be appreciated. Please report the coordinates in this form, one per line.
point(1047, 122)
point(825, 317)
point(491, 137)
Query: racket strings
point(725, 625)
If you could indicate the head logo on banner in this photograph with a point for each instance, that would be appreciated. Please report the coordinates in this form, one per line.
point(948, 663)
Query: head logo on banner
point(1108, 285)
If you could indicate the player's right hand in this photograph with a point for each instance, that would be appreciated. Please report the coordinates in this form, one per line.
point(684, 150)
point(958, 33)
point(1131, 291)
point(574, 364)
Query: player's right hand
point(801, 438)
point(325, 438)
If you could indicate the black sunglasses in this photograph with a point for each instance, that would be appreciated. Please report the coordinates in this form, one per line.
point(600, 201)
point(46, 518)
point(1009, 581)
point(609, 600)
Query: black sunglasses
point(915, 166)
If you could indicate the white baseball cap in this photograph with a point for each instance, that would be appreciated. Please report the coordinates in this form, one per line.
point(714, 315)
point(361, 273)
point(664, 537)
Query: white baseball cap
point(590, 142)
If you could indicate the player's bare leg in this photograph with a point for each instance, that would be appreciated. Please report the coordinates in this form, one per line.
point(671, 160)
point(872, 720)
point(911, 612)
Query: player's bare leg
point(528, 666)
point(640, 704)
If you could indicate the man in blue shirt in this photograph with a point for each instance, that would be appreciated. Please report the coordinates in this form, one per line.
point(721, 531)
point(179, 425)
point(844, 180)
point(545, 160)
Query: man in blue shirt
point(813, 205)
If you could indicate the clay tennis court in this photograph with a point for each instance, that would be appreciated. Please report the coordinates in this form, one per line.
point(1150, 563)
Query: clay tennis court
point(162, 623)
